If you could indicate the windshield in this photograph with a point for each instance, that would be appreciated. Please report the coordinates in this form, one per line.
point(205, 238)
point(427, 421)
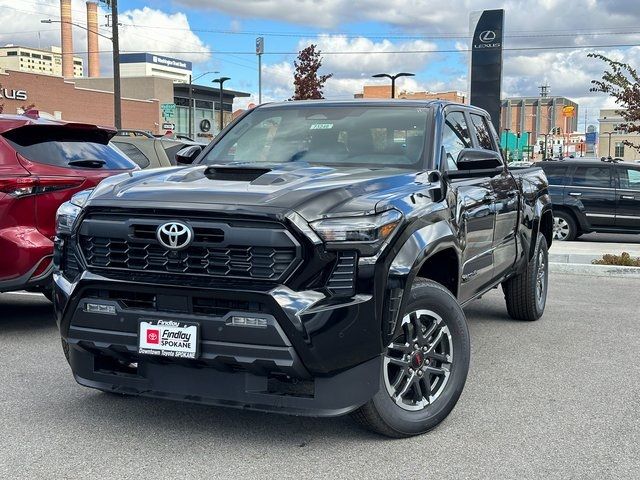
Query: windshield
point(371, 136)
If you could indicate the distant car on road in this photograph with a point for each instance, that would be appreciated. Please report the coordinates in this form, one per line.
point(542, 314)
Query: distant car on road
point(594, 196)
point(151, 152)
point(42, 164)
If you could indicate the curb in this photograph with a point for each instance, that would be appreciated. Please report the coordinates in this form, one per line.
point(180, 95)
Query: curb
point(594, 270)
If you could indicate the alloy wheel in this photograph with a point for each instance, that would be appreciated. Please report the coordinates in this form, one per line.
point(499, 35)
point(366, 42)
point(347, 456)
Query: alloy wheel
point(541, 278)
point(561, 229)
point(417, 365)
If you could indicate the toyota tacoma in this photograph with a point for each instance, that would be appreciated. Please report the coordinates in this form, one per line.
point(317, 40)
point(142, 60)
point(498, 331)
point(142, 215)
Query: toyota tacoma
point(314, 260)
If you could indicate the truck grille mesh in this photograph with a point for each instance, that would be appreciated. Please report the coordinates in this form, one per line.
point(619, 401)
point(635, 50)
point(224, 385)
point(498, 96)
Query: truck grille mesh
point(250, 262)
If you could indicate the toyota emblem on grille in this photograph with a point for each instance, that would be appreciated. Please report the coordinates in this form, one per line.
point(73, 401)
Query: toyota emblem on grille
point(174, 235)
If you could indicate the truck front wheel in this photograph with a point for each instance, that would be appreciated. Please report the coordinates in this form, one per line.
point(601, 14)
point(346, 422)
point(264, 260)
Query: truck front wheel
point(424, 368)
point(526, 293)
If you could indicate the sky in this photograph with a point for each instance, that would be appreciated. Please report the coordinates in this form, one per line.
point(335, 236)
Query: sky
point(546, 41)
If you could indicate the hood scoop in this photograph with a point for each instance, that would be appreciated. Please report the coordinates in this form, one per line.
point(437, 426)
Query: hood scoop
point(235, 174)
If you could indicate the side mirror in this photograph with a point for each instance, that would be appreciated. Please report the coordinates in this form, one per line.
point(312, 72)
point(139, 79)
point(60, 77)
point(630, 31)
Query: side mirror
point(471, 159)
point(187, 155)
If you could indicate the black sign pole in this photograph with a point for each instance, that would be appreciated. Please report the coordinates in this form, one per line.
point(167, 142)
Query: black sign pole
point(486, 63)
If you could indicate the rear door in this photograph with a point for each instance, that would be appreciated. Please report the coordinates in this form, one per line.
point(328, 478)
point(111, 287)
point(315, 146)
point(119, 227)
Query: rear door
point(628, 212)
point(65, 160)
point(591, 191)
point(557, 173)
point(474, 213)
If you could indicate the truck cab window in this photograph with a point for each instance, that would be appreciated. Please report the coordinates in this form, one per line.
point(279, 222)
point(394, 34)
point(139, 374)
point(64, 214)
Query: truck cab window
point(482, 133)
point(455, 137)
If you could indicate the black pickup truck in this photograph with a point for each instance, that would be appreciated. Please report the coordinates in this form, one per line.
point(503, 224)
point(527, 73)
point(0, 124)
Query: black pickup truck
point(313, 261)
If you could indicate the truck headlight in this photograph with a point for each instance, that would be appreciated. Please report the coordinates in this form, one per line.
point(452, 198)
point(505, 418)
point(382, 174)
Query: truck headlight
point(371, 230)
point(68, 212)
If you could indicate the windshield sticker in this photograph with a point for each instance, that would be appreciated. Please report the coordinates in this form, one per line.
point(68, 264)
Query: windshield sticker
point(321, 126)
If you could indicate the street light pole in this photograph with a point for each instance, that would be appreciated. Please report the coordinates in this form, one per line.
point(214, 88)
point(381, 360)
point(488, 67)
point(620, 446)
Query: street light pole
point(221, 81)
point(393, 79)
point(506, 144)
point(528, 132)
point(117, 102)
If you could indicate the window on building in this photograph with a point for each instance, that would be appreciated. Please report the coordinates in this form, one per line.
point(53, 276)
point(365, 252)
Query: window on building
point(589, 176)
point(77, 62)
point(619, 150)
point(36, 55)
point(25, 54)
point(455, 137)
point(46, 57)
point(204, 104)
point(12, 53)
point(182, 102)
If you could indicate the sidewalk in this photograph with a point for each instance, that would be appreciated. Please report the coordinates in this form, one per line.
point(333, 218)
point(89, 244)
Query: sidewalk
point(585, 252)
point(576, 258)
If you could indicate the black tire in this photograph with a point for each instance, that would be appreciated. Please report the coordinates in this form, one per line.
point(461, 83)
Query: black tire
point(384, 415)
point(526, 293)
point(565, 228)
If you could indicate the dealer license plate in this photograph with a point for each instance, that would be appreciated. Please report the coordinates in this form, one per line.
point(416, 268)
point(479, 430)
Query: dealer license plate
point(168, 338)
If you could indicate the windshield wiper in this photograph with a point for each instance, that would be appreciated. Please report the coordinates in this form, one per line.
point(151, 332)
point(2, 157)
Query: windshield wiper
point(92, 163)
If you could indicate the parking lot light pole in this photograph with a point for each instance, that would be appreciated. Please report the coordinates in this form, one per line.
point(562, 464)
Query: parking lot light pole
point(393, 79)
point(221, 81)
point(506, 144)
point(609, 133)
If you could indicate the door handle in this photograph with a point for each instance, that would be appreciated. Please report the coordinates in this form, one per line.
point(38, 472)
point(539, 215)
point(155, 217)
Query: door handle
point(575, 194)
point(627, 197)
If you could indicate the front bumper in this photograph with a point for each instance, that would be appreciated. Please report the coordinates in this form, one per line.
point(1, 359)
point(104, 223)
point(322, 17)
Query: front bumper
point(316, 356)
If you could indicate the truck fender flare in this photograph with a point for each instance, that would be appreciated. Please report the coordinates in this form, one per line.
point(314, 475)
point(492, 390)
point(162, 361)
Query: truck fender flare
point(542, 206)
point(414, 252)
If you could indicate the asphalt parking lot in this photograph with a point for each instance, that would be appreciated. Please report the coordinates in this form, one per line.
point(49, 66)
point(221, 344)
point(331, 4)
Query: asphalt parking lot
point(558, 398)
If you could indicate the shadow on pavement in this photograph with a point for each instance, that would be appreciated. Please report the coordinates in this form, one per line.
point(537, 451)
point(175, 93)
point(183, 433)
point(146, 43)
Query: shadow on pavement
point(18, 313)
point(186, 421)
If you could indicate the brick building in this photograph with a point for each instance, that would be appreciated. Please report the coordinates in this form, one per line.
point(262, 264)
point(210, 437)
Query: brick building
point(63, 99)
point(538, 115)
point(384, 91)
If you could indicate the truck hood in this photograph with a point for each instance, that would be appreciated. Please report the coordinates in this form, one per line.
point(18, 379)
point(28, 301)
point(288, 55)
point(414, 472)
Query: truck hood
point(311, 191)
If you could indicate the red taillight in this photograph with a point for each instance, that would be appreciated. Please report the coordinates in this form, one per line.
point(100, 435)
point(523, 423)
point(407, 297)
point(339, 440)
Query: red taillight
point(22, 186)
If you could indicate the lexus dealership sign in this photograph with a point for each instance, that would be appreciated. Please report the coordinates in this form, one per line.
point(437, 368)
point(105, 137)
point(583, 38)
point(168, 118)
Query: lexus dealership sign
point(486, 62)
point(13, 94)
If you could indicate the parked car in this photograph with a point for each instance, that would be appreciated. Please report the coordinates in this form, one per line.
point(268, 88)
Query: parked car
point(309, 263)
point(151, 152)
point(133, 133)
point(594, 196)
point(42, 164)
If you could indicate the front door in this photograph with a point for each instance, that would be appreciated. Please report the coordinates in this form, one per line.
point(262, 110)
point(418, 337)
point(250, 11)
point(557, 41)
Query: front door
point(591, 191)
point(628, 211)
point(474, 213)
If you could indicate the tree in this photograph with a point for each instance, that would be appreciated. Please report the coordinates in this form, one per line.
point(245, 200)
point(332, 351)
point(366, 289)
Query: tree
point(622, 82)
point(308, 85)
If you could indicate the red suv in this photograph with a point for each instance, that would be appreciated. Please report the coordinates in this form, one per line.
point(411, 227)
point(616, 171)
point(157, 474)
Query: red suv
point(42, 164)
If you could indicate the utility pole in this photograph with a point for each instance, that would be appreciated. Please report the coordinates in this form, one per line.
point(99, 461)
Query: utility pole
point(259, 52)
point(190, 106)
point(221, 81)
point(117, 102)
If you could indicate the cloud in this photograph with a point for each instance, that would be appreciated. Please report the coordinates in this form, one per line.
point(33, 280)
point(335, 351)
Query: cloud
point(168, 33)
point(357, 62)
point(435, 15)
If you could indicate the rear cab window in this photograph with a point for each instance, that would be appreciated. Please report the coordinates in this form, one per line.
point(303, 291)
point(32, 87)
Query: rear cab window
point(67, 147)
point(134, 153)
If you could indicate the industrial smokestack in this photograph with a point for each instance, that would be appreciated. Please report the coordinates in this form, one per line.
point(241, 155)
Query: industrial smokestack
point(67, 38)
point(92, 39)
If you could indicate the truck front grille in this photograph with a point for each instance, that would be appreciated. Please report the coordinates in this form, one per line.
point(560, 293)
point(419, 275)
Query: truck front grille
point(224, 249)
